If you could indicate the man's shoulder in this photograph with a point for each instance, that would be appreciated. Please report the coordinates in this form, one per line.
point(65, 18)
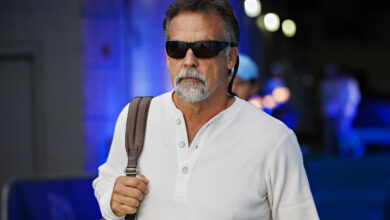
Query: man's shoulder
point(162, 97)
point(256, 118)
point(162, 101)
point(257, 130)
point(251, 112)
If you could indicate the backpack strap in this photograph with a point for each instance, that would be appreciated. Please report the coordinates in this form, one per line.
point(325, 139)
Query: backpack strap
point(135, 131)
point(135, 134)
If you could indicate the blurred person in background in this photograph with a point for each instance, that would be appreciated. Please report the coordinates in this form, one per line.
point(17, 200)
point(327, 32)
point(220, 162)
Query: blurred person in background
point(330, 107)
point(340, 97)
point(275, 78)
point(246, 85)
point(279, 96)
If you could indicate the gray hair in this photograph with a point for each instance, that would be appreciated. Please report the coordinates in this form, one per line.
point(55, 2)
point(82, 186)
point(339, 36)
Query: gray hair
point(221, 7)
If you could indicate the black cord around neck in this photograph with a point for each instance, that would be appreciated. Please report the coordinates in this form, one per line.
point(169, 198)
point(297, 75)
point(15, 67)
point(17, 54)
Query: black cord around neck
point(233, 77)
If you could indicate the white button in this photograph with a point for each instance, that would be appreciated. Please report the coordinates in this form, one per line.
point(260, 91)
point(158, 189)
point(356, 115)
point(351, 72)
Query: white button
point(184, 170)
point(182, 144)
point(178, 121)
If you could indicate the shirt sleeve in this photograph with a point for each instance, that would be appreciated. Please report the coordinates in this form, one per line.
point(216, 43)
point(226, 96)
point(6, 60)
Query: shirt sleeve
point(289, 192)
point(112, 168)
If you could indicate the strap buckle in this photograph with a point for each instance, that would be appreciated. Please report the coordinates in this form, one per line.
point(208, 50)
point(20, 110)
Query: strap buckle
point(131, 171)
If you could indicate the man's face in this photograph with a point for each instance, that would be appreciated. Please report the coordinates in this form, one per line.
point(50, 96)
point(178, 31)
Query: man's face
point(196, 79)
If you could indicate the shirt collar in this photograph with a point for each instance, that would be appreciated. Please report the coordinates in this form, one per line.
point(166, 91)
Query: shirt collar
point(223, 115)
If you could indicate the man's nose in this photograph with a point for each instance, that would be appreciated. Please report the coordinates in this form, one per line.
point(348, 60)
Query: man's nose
point(190, 59)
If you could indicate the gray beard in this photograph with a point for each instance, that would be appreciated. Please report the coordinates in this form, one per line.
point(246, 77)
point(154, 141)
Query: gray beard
point(188, 90)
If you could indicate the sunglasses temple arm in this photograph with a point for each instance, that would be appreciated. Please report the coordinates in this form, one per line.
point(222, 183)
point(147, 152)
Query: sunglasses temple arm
point(233, 77)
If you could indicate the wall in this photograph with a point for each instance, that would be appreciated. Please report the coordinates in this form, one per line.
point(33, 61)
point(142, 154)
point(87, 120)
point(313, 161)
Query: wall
point(40, 46)
point(123, 57)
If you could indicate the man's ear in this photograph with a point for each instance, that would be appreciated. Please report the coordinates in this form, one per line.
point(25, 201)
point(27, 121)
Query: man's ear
point(232, 58)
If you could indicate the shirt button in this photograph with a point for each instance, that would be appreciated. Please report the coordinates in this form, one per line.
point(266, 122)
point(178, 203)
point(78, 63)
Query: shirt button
point(182, 144)
point(184, 170)
point(178, 121)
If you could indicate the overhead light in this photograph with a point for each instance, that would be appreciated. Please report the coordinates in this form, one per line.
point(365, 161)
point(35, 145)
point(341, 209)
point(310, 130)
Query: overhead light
point(252, 8)
point(271, 22)
point(289, 28)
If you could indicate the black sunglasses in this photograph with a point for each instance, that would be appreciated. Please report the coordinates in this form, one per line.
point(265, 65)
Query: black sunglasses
point(201, 49)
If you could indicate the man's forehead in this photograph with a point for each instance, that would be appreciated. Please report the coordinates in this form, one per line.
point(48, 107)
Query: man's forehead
point(200, 25)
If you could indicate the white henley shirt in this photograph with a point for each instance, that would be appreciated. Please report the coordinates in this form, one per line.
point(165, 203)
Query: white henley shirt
point(242, 164)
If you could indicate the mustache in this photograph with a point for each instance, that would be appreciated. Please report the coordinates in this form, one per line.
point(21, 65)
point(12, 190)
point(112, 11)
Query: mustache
point(190, 73)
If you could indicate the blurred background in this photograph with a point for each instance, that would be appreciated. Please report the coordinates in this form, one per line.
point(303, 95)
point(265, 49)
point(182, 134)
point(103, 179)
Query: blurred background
point(67, 68)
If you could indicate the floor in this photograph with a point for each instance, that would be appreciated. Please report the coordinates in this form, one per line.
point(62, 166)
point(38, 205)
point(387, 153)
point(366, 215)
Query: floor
point(346, 188)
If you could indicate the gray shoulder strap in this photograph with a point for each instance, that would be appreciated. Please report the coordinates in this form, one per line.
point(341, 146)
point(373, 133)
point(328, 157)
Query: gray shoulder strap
point(135, 131)
point(135, 134)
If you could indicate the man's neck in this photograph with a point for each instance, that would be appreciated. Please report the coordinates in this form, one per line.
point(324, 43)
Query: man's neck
point(198, 114)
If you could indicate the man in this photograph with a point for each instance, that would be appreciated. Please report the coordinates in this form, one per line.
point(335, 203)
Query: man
point(340, 97)
point(245, 84)
point(207, 155)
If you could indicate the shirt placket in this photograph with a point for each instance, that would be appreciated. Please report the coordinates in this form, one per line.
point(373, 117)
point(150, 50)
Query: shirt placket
point(180, 194)
point(187, 157)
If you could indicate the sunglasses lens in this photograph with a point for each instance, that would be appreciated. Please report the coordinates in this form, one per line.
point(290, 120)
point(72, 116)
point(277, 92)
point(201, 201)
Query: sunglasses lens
point(206, 49)
point(176, 49)
point(201, 49)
